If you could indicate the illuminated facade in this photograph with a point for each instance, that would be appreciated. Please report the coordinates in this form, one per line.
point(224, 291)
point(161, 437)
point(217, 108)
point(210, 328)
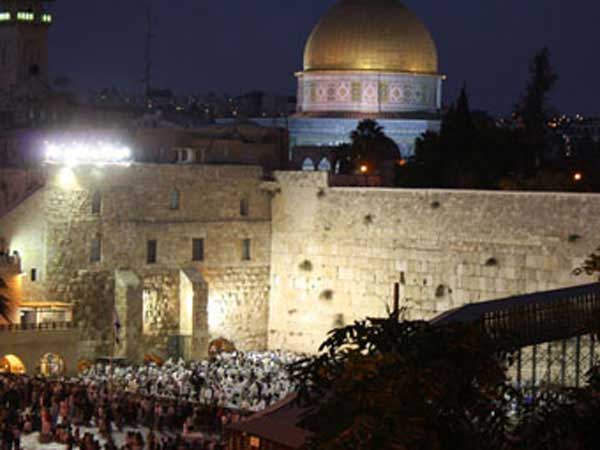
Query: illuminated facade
point(190, 253)
point(181, 251)
point(367, 59)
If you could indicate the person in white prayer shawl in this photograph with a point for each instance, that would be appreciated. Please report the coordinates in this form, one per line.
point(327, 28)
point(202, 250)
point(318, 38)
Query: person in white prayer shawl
point(246, 381)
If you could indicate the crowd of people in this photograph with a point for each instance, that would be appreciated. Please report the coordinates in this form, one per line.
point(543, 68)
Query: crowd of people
point(174, 406)
point(247, 381)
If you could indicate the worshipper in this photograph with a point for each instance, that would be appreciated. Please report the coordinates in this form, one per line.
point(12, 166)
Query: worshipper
point(191, 400)
point(46, 432)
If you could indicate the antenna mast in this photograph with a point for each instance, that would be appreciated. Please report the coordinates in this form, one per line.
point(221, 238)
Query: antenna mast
point(148, 50)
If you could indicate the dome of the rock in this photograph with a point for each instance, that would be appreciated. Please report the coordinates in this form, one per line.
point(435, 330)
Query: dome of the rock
point(373, 35)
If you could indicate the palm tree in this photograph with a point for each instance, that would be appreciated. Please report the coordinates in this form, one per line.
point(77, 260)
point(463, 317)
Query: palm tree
point(367, 129)
point(371, 147)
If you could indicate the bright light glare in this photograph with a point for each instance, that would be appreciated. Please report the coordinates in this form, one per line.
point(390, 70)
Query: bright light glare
point(364, 168)
point(216, 313)
point(578, 176)
point(67, 178)
point(73, 153)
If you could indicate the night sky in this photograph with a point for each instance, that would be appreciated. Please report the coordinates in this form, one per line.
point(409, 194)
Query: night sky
point(233, 46)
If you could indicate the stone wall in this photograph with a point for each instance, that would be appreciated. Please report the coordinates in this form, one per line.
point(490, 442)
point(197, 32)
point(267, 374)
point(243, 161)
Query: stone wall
point(31, 345)
point(337, 252)
point(236, 307)
point(15, 184)
point(324, 256)
point(55, 230)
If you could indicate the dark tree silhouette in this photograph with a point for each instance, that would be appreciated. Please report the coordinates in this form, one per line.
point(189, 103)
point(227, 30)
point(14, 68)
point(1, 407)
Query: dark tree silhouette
point(564, 419)
point(533, 109)
point(591, 265)
point(371, 147)
point(470, 151)
point(385, 384)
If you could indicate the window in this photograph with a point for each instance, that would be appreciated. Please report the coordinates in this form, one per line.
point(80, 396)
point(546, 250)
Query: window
point(184, 155)
point(96, 251)
point(25, 16)
point(33, 274)
point(325, 165)
point(151, 251)
point(198, 250)
point(246, 247)
point(244, 207)
point(96, 203)
point(175, 197)
point(308, 165)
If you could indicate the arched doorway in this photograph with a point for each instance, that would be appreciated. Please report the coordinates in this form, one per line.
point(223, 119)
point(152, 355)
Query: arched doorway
point(52, 365)
point(12, 364)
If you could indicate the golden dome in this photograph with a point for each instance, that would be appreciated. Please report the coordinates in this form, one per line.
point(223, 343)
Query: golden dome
point(378, 35)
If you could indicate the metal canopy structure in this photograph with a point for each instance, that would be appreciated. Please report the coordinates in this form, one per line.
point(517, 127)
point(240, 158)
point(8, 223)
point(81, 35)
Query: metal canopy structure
point(552, 333)
point(534, 318)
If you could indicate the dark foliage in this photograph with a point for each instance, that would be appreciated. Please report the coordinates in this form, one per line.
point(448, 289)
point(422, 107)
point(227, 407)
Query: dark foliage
point(564, 419)
point(533, 110)
point(591, 265)
point(385, 384)
point(470, 151)
point(370, 147)
point(473, 151)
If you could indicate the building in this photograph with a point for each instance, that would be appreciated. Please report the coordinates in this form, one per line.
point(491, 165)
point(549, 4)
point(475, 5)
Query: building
point(24, 44)
point(24, 88)
point(191, 253)
point(163, 244)
point(189, 240)
point(367, 59)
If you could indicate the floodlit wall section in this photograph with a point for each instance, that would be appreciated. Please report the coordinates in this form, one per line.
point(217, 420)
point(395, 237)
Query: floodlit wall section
point(65, 232)
point(337, 252)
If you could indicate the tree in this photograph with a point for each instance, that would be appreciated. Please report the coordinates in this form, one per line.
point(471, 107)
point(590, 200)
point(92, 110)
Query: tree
point(370, 147)
point(344, 160)
point(567, 418)
point(385, 384)
point(533, 110)
point(469, 151)
point(564, 419)
point(591, 266)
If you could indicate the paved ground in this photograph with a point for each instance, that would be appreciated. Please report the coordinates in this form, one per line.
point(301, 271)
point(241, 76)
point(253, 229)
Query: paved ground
point(31, 441)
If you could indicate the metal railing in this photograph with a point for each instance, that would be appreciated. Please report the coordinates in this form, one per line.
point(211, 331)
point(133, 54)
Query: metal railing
point(551, 334)
point(535, 318)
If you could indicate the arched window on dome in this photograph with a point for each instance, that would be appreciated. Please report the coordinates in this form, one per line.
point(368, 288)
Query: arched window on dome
point(325, 165)
point(308, 165)
point(175, 199)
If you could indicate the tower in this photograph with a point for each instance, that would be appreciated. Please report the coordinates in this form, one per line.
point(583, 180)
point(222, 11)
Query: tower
point(23, 43)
